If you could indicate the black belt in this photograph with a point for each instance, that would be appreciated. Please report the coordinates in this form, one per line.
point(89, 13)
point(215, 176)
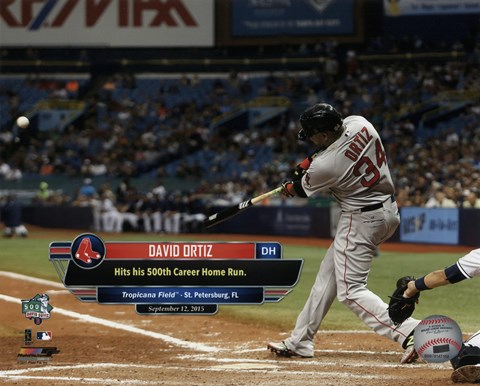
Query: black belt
point(376, 206)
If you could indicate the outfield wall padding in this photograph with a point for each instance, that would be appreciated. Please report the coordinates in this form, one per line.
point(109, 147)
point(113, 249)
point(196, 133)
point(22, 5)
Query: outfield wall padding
point(419, 225)
point(66, 217)
point(278, 220)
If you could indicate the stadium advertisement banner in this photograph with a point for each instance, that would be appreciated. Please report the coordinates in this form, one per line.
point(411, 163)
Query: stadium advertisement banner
point(429, 7)
point(110, 23)
point(292, 17)
point(429, 225)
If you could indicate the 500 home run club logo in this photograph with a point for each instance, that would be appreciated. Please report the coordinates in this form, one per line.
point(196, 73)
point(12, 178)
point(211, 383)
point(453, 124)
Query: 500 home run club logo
point(88, 251)
point(37, 308)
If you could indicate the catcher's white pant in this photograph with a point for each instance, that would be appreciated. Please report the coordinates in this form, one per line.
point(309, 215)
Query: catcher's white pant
point(474, 340)
point(343, 274)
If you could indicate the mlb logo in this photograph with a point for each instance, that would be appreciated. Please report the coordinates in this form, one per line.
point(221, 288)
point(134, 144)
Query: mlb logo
point(44, 335)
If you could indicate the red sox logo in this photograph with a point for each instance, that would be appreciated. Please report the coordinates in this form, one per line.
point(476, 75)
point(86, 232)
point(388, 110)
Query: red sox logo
point(88, 251)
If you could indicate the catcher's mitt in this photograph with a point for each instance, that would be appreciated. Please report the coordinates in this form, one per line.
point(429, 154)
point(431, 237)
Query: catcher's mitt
point(400, 308)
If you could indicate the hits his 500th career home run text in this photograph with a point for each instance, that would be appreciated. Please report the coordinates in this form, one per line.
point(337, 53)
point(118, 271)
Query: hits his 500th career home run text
point(178, 272)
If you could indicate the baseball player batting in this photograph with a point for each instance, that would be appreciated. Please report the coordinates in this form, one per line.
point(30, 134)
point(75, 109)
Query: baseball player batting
point(467, 363)
point(350, 162)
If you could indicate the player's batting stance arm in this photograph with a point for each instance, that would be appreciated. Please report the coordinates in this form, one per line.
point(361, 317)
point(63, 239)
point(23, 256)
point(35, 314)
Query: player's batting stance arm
point(218, 217)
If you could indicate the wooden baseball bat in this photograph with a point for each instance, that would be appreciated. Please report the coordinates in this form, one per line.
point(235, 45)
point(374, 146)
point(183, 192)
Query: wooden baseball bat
point(219, 217)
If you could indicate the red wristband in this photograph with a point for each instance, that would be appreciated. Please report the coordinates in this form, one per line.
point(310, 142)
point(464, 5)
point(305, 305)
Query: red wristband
point(305, 164)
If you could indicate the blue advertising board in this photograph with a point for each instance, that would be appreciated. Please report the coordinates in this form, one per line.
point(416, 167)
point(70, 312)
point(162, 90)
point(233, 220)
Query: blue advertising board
point(292, 17)
point(430, 7)
point(429, 225)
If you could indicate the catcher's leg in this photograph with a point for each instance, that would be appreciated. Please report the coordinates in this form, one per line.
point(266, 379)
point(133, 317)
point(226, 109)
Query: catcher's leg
point(474, 340)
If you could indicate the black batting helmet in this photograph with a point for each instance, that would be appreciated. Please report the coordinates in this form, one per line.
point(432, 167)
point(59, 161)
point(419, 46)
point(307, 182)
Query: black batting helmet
point(319, 118)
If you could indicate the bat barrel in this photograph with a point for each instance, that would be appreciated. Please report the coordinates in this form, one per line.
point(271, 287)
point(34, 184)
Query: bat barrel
point(223, 215)
point(219, 217)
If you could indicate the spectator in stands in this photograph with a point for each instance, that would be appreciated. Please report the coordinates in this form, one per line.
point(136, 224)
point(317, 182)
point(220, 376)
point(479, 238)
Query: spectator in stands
point(87, 189)
point(15, 174)
point(11, 216)
point(440, 200)
point(5, 169)
point(417, 199)
point(93, 167)
point(159, 190)
point(44, 194)
point(127, 136)
point(46, 167)
point(10, 171)
point(472, 201)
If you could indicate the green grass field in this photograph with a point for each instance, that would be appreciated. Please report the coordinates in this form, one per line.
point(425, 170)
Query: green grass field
point(30, 256)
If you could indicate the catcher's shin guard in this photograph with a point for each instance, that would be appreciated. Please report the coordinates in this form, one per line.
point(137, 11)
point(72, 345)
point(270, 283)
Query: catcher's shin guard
point(468, 355)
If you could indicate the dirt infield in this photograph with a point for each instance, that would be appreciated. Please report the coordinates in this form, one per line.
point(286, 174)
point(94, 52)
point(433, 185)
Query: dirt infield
point(107, 345)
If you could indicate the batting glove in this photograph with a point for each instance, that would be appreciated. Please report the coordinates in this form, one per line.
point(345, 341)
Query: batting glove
point(287, 189)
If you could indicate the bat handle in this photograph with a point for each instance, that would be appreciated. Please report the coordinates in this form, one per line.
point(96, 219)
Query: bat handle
point(264, 196)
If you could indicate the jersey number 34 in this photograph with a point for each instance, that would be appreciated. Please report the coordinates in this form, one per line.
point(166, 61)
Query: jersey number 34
point(371, 173)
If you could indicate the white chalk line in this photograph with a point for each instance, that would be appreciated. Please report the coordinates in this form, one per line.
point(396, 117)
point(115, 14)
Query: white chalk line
point(31, 279)
point(18, 374)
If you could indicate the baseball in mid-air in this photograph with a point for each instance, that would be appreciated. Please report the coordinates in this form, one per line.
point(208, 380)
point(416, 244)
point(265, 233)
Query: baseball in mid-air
point(23, 122)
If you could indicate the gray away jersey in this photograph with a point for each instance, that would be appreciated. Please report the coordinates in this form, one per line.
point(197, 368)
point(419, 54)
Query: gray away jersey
point(354, 168)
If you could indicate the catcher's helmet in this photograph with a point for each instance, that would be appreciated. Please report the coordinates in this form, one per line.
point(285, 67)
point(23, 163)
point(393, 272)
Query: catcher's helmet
point(319, 118)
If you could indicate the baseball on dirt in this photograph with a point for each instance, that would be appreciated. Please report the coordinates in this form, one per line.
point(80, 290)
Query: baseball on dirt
point(438, 338)
point(23, 122)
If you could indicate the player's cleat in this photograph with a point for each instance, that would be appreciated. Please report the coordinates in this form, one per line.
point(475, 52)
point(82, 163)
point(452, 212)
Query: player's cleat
point(410, 355)
point(467, 374)
point(283, 351)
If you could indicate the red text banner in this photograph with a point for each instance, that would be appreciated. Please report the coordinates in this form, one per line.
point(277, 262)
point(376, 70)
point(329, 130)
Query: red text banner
point(169, 250)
